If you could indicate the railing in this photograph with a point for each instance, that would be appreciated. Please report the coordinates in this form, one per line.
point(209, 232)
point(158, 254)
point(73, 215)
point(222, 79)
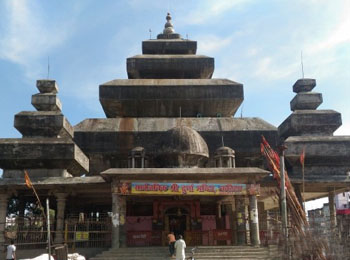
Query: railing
point(31, 233)
point(197, 238)
point(88, 233)
point(28, 233)
point(192, 238)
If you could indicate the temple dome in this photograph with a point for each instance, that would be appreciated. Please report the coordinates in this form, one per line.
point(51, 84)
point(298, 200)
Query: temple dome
point(224, 151)
point(184, 147)
point(186, 140)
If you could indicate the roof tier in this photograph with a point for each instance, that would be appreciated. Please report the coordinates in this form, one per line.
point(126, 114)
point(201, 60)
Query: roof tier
point(165, 98)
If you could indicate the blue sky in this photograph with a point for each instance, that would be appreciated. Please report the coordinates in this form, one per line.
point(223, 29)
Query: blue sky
point(257, 43)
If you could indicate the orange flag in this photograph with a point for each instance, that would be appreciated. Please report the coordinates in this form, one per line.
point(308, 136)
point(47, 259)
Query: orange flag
point(302, 157)
point(27, 180)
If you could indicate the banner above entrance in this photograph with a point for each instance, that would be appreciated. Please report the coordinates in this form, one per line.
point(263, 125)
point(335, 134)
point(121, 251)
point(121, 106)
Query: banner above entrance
point(206, 189)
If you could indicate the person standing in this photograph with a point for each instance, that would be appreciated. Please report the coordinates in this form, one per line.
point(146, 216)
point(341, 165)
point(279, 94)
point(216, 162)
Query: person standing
point(180, 246)
point(11, 251)
point(171, 240)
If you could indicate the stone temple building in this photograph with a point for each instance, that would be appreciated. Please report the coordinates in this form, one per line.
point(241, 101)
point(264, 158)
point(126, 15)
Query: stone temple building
point(169, 156)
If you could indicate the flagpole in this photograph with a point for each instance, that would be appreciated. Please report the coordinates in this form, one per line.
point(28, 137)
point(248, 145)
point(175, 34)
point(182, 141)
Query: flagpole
point(283, 195)
point(38, 199)
point(31, 186)
point(284, 201)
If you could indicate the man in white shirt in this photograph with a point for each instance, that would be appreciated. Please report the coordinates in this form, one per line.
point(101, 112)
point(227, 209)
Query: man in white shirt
point(180, 246)
point(11, 251)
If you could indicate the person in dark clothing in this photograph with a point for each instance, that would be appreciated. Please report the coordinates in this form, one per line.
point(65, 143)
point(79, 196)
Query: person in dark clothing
point(171, 240)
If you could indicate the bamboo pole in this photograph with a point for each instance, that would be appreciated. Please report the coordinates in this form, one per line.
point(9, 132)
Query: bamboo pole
point(299, 222)
point(48, 227)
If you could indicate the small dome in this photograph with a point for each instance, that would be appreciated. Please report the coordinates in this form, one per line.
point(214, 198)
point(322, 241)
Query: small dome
point(138, 150)
point(184, 148)
point(225, 157)
point(224, 151)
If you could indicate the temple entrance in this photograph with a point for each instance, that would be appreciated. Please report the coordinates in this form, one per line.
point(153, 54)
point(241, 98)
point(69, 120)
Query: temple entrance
point(202, 221)
point(176, 220)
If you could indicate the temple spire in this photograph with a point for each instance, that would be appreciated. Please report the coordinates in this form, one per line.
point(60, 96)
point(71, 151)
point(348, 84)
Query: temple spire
point(168, 27)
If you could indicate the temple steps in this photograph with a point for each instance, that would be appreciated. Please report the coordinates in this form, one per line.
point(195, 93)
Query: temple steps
point(202, 253)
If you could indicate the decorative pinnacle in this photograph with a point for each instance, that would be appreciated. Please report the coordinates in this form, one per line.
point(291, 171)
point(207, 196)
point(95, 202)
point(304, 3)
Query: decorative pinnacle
point(168, 27)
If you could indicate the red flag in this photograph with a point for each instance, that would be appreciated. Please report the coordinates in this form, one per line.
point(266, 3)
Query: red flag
point(27, 180)
point(302, 157)
point(262, 148)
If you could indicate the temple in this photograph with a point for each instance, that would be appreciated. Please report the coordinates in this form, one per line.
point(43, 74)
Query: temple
point(169, 156)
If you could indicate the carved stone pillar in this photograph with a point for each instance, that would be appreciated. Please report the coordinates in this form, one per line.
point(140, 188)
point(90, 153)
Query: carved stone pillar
point(115, 221)
point(61, 206)
point(246, 220)
point(254, 221)
point(3, 212)
point(122, 221)
point(118, 218)
point(332, 211)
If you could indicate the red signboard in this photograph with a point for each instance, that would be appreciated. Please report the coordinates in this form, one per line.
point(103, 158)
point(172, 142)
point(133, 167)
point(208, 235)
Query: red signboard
point(343, 212)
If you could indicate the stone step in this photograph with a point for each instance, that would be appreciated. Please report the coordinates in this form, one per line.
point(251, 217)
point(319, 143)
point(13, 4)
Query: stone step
point(129, 258)
point(196, 257)
point(213, 256)
point(248, 256)
point(213, 252)
point(202, 253)
point(210, 248)
point(197, 253)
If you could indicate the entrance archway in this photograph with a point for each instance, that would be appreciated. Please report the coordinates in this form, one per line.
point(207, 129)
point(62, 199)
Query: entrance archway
point(177, 220)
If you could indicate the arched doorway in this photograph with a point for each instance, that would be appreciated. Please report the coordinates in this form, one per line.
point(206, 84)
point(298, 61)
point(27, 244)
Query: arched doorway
point(177, 220)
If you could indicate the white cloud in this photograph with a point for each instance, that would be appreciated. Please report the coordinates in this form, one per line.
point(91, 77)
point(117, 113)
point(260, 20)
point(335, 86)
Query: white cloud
point(210, 9)
point(272, 69)
point(27, 37)
point(338, 35)
point(222, 6)
point(252, 52)
point(321, 44)
point(212, 43)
